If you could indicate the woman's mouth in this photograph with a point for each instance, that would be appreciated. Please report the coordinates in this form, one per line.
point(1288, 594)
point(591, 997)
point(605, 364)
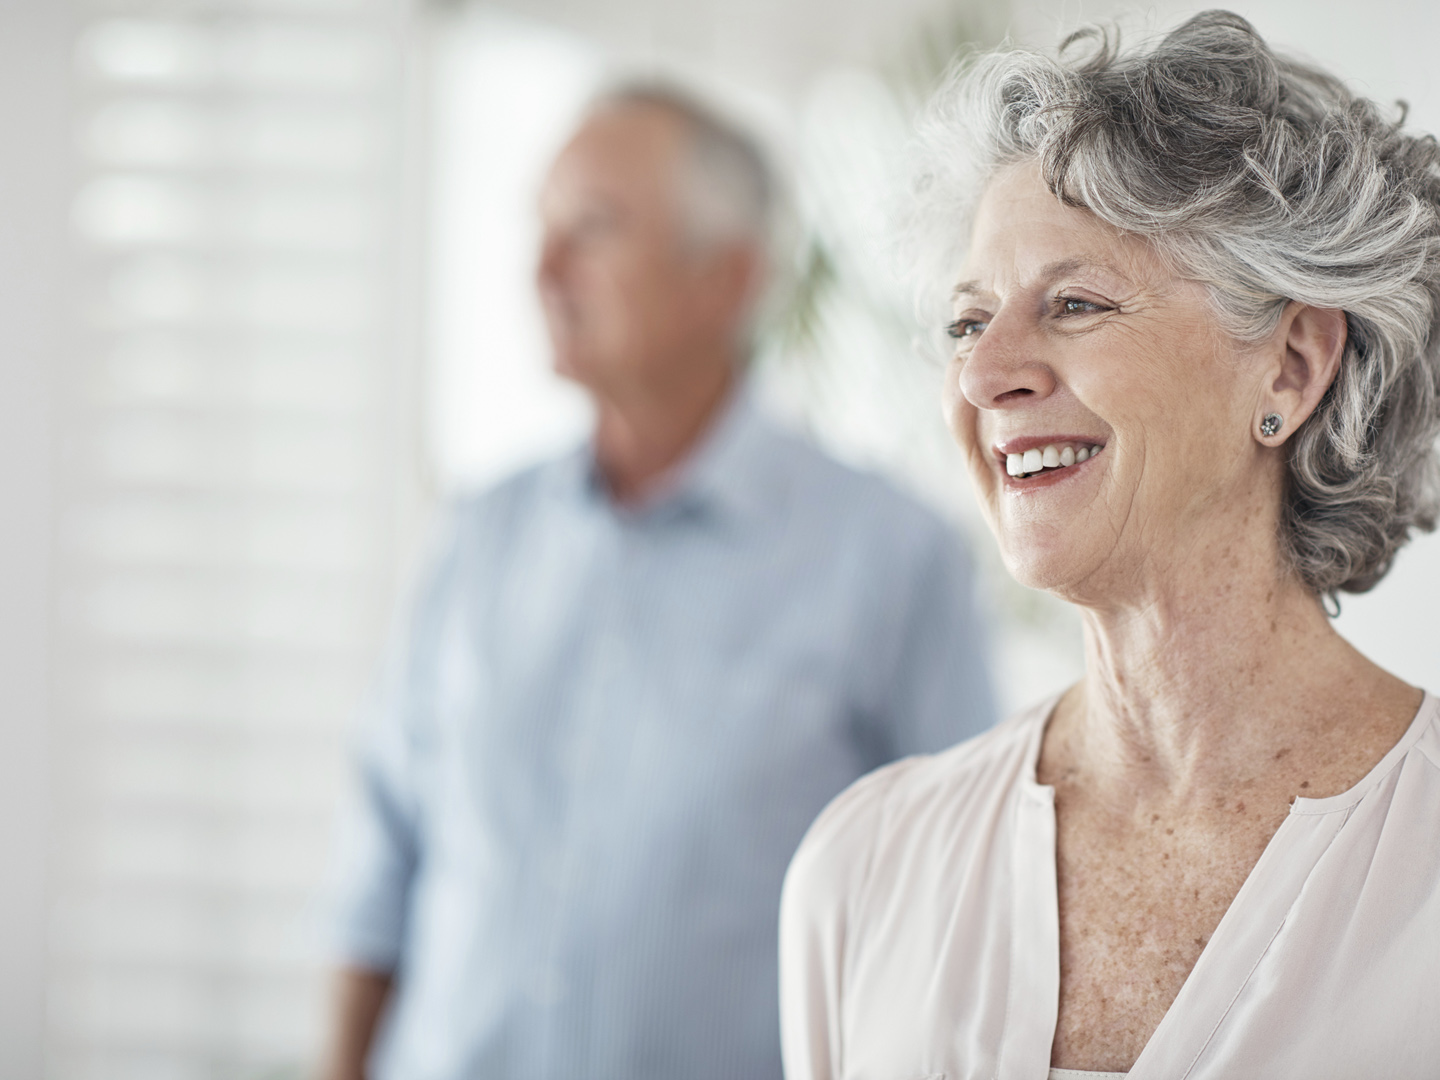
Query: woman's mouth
point(1049, 458)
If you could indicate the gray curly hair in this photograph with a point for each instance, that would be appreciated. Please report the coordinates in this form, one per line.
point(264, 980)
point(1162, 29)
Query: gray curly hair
point(1267, 181)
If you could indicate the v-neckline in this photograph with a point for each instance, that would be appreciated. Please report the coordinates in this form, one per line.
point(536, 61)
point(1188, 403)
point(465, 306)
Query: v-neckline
point(1251, 922)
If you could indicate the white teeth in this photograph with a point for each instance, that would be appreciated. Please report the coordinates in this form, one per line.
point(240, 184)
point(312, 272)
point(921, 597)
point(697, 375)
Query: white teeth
point(1053, 456)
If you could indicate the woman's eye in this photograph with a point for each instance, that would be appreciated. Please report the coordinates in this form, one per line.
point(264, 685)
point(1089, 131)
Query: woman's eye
point(964, 328)
point(1071, 306)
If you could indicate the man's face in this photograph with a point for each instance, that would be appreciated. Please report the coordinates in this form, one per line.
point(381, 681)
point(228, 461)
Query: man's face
point(623, 299)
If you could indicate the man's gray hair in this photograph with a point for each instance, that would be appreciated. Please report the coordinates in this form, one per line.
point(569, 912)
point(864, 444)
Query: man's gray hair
point(726, 189)
point(1267, 181)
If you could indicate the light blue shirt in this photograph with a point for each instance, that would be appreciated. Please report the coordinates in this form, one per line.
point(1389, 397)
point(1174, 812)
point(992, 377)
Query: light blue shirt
point(603, 733)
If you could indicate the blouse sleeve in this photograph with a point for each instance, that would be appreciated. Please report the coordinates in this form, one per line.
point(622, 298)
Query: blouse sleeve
point(823, 889)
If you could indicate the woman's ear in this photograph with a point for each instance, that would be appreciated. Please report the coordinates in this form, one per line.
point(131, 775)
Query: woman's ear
point(1311, 342)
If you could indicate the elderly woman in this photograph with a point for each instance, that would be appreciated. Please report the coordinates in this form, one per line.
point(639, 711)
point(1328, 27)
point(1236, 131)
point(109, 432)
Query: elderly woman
point(1195, 381)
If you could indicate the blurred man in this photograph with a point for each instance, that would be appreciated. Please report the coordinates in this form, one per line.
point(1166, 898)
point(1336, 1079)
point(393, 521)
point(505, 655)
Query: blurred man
point(635, 674)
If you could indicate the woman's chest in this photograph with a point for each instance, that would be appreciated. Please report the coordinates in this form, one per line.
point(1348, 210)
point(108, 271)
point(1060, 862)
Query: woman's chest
point(1324, 962)
point(1136, 908)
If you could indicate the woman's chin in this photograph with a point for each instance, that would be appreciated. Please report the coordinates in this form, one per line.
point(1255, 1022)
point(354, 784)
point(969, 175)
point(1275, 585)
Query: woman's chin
point(1052, 571)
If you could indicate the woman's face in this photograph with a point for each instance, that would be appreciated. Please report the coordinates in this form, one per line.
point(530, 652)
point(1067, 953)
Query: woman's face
point(1070, 336)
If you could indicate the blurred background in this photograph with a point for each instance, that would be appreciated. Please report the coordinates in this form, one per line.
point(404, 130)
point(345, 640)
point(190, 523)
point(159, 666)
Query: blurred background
point(264, 299)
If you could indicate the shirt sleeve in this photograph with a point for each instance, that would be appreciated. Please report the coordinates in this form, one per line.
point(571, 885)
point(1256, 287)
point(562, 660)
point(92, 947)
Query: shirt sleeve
point(822, 887)
point(936, 690)
point(379, 839)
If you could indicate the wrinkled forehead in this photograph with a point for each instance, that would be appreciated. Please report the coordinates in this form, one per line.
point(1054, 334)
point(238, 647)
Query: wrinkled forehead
point(1021, 233)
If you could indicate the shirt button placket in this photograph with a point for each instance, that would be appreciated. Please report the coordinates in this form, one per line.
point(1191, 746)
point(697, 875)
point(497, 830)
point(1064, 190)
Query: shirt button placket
point(583, 756)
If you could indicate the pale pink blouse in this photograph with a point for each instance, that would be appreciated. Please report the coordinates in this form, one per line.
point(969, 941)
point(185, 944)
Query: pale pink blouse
point(920, 941)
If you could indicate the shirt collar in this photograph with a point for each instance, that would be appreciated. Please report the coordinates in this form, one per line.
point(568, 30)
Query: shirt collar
point(733, 470)
point(730, 472)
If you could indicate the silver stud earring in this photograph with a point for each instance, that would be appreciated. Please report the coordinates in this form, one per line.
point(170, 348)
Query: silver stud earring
point(1271, 424)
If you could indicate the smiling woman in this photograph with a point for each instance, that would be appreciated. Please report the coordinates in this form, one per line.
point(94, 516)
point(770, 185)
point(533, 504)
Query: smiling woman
point(1097, 349)
point(1195, 382)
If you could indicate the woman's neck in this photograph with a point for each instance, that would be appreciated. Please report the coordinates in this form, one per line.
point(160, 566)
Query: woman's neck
point(1201, 686)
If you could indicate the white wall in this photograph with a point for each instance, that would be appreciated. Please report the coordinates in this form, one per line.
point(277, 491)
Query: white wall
point(33, 173)
point(492, 402)
point(778, 47)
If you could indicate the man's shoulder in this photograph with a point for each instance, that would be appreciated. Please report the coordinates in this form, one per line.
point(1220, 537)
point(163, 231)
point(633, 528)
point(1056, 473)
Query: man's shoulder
point(522, 490)
point(841, 489)
point(479, 525)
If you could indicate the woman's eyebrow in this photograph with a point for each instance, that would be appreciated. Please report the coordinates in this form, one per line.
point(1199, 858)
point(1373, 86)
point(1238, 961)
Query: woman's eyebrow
point(967, 288)
point(1047, 273)
point(1066, 267)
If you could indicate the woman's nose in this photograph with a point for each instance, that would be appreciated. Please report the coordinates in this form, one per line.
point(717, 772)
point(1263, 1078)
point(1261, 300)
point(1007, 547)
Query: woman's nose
point(1004, 367)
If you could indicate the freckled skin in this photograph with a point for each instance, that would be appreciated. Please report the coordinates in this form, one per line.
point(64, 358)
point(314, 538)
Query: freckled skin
point(1216, 691)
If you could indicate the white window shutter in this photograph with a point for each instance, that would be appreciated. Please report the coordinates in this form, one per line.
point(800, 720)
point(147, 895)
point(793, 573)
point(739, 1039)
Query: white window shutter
point(235, 492)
